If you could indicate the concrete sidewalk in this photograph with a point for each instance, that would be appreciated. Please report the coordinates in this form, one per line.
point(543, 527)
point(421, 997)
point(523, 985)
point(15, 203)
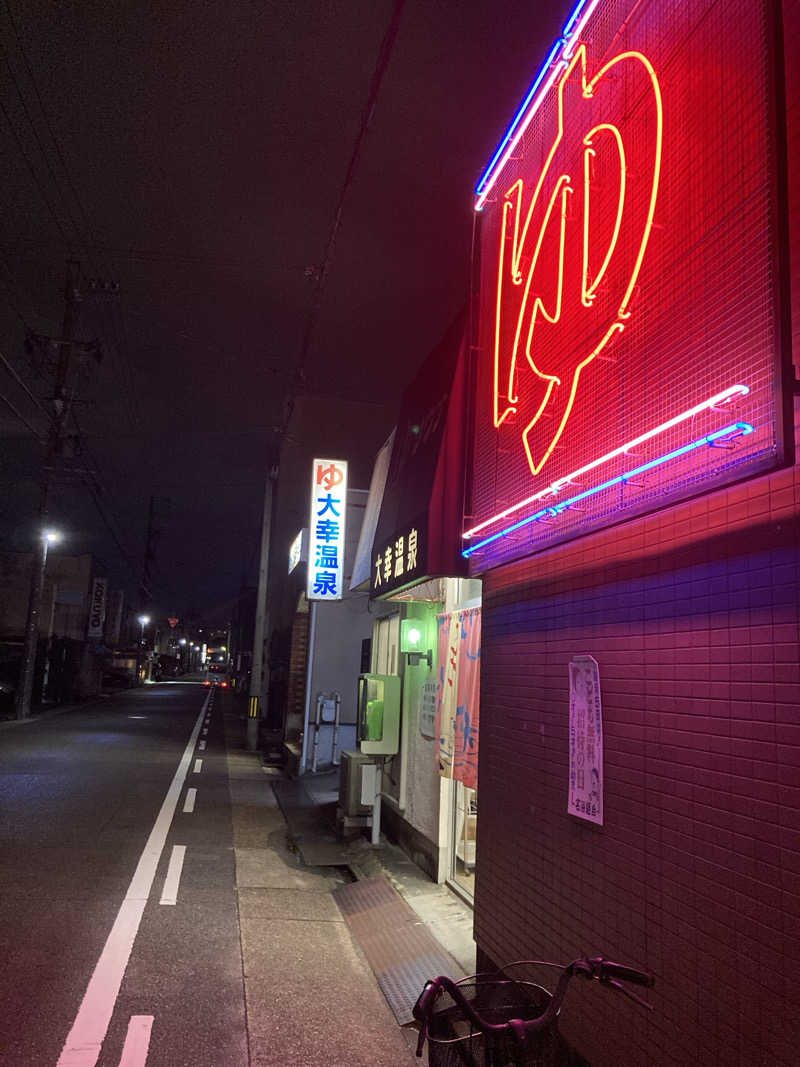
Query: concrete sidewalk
point(310, 995)
point(447, 916)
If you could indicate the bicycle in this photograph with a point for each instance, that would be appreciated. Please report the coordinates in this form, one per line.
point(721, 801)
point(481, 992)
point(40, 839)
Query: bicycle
point(491, 1020)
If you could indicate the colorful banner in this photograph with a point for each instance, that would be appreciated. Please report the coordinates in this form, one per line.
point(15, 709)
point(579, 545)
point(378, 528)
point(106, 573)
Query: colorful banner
point(458, 696)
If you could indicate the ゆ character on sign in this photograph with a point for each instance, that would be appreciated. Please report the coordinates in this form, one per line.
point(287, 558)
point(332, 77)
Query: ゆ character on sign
point(564, 290)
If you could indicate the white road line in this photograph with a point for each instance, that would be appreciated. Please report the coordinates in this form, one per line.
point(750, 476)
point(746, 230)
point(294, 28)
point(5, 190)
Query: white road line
point(198, 766)
point(205, 731)
point(169, 894)
point(137, 1042)
point(85, 1039)
point(188, 804)
point(202, 746)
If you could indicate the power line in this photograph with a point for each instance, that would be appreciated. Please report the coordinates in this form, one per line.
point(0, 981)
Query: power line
point(84, 448)
point(51, 131)
point(168, 258)
point(381, 66)
point(108, 322)
point(126, 367)
point(22, 384)
point(92, 245)
point(22, 419)
point(10, 286)
point(41, 147)
point(95, 495)
point(99, 495)
point(35, 176)
point(115, 332)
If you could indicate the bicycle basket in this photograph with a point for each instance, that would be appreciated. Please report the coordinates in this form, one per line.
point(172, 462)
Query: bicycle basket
point(453, 1040)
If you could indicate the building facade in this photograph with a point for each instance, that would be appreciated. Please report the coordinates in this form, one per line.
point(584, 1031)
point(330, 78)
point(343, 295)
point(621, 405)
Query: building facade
point(635, 498)
point(429, 637)
point(314, 650)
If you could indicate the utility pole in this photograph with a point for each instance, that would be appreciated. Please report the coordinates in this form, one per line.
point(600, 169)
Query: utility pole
point(145, 594)
point(22, 699)
point(149, 555)
point(256, 709)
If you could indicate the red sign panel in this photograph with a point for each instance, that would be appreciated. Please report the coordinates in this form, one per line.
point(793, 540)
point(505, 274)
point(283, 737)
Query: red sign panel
point(629, 342)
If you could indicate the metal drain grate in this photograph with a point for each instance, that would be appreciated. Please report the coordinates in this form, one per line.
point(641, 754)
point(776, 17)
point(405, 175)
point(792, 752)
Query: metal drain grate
point(398, 945)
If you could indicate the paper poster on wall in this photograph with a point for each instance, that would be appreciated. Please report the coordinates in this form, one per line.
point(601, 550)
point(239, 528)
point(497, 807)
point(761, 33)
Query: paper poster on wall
point(585, 740)
point(427, 710)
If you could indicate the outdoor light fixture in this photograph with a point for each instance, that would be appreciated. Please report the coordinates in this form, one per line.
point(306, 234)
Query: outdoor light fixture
point(51, 537)
point(413, 639)
point(182, 641)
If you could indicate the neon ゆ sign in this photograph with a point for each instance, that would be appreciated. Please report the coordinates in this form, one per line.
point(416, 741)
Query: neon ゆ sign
point(614, 330)
point(535, 290)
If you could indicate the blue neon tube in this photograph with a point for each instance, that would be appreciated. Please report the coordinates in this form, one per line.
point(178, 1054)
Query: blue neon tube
point(560, 43)
point(735, 429)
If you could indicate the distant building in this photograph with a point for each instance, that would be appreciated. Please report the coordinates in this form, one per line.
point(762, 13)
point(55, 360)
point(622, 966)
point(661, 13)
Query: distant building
point(64, 600)
point(73, 622)
point(332, 633)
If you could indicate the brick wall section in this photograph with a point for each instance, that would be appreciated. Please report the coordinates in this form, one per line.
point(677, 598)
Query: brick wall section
point(791, 23)
point(693, 617)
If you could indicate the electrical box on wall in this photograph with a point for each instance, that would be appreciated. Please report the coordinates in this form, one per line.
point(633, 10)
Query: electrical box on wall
point(379, 714)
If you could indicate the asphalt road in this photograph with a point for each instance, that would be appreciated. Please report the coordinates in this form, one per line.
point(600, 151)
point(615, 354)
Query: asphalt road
point(91, 804)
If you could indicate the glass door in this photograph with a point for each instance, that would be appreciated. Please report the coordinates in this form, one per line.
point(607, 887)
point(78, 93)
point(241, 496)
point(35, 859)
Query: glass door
point(465, 819)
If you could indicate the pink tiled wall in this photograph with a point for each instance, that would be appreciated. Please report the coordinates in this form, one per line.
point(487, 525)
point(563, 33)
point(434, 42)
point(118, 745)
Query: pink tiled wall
point(693, 617)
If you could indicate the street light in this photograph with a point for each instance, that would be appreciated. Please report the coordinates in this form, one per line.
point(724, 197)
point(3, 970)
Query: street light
point(143, 620)
point(22, 697)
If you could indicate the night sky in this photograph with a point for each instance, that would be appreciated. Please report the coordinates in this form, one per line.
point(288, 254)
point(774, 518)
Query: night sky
point(194, 153)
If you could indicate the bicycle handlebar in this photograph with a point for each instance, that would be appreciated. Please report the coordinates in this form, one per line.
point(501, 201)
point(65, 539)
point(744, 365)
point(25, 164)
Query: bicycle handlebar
point(623, 973)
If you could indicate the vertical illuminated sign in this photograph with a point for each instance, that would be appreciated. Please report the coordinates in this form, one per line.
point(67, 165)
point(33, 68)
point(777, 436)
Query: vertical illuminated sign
point(97, 609)
point(629, 344)
point(326, 529)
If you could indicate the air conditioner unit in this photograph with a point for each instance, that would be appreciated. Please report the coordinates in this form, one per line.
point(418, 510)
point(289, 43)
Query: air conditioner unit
point(350, 784)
